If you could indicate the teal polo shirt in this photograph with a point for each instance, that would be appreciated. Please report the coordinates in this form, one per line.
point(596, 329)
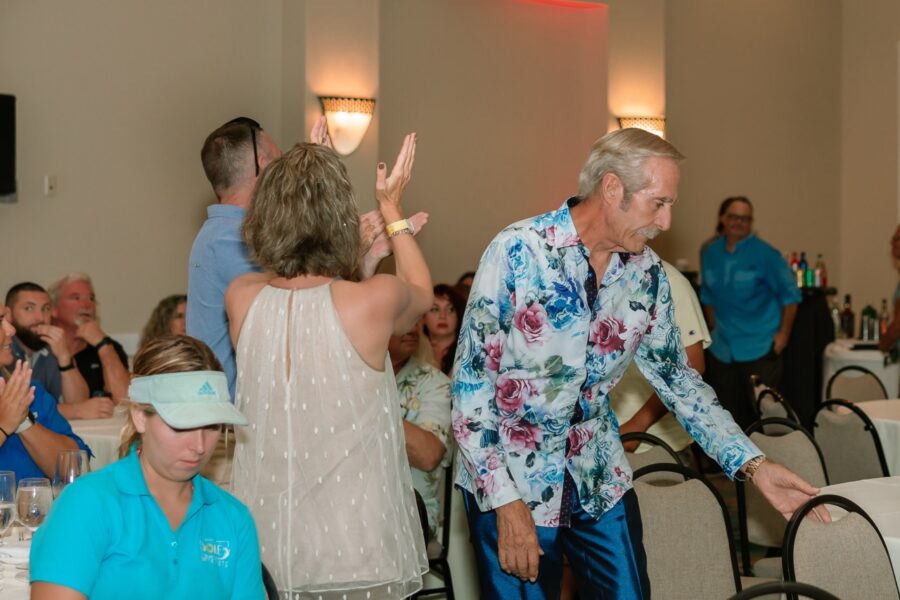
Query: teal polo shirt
point(748, 290)
point(107, 537)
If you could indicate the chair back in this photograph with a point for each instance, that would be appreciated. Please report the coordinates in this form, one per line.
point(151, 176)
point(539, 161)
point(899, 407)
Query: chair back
point(439, 548)
point(659, 452)
point(269, 584)
point(760, 523)
point(757, 384)
point(847, 557)
point(855, 383)
point(770, 404)
point(776, 589)
point(687, 536)
point(849, 442)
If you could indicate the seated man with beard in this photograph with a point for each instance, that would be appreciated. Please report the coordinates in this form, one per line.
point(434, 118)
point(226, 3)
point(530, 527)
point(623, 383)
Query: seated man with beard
point(43, 346)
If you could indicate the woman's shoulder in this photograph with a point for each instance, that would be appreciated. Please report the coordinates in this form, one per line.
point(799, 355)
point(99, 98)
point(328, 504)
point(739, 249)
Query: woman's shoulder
point(246, 283)
point(93, 491)
point(224, 501)
point(377, 289)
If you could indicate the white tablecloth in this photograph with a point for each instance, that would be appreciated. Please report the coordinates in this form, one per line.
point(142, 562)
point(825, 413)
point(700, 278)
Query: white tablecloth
point(102, 437)
point(13, 563)
point(880, 498)
point(838, 354)
point(885, 415)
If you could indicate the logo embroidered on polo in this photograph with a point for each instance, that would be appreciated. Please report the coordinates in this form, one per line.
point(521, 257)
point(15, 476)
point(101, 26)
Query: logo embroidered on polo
point(206, 390)
point(215, 551)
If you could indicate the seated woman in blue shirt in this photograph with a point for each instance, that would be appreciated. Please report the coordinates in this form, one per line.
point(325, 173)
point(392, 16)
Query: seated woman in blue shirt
point(149, 526)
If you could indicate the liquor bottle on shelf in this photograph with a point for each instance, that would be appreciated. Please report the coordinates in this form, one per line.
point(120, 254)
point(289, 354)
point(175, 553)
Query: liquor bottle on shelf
point(848, 319)
point(795, 264)
point(801, 270)
point(868, 324)
point(821, 272)
point(810, 279)
point(836, 320)
point(884, 318)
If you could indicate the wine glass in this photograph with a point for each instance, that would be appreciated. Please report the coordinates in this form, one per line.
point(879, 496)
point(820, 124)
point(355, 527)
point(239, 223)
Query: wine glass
point(33, 501)
point(7, 501)
point(70, 465)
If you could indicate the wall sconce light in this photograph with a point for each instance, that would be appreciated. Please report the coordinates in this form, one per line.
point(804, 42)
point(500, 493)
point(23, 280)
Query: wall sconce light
point(348, 119)
point(655, 125)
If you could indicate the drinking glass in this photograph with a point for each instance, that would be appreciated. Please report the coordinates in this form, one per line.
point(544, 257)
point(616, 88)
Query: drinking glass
point(33, 501)
point(7, 501)
point(70, 465)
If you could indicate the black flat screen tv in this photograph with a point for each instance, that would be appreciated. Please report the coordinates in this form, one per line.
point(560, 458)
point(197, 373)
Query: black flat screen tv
point(7, 148)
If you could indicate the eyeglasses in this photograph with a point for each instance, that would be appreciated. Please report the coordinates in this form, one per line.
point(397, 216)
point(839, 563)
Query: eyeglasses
point(253, 126)
point(739, 218)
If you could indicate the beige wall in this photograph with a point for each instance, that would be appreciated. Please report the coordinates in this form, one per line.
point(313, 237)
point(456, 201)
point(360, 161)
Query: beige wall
point(342, 59)
point(506, 97)
point(115, 98)
point(637, 59)
point(869, 195)
point(753, 100)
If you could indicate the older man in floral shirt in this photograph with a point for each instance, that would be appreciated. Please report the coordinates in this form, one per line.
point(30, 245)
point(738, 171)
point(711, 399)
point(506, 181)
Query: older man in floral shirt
point(560, 306)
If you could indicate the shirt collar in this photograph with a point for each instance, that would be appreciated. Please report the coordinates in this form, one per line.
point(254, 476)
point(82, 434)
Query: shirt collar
point(557, 227)
point(738, 243)
point(225, 210)
point(130, 480)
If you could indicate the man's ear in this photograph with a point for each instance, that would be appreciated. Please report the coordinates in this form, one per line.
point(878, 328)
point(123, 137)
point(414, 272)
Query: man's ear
point(611, 189)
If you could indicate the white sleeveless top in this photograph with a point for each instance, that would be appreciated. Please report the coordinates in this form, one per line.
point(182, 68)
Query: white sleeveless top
point(322, 464)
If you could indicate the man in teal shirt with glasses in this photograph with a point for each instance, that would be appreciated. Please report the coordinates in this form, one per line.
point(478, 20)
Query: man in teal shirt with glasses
point(750, 299)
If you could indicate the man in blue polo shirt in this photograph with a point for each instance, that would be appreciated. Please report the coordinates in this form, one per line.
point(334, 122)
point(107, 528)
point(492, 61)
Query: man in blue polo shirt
point(750, 299)
point(32, 432)
point(233, 157)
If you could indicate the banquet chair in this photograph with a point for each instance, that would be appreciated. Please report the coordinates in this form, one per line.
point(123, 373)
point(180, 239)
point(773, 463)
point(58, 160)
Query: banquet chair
point(847, 557)
point(687, 536)
point(269, 584)
point(438, 549)
point(771, 404)
point(757, 385)
point(659, 452)
point(849, 442)
point(759, 523)
point(855, 383)
point(776, 589)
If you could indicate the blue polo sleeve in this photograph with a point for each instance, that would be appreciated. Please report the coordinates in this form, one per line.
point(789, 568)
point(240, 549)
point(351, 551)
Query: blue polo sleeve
point(248, 583)
point(68, 548)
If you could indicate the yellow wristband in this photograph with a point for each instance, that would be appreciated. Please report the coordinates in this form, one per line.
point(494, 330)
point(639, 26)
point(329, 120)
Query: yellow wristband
point(398, 227)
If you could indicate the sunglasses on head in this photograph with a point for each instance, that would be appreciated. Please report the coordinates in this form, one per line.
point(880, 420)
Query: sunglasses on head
point(253, 126)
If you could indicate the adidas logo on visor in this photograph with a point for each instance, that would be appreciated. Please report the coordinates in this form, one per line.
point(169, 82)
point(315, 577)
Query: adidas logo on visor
point(206, 390)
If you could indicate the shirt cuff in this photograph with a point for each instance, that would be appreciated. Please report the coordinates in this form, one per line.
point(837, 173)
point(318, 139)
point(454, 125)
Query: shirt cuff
point(736, 456)
point(495, 488)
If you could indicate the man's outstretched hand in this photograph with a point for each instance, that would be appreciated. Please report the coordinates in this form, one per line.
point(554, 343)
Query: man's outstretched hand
point(786, 491)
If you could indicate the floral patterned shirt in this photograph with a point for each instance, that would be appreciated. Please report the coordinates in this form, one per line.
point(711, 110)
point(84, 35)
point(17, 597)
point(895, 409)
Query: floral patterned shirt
point(541, 345)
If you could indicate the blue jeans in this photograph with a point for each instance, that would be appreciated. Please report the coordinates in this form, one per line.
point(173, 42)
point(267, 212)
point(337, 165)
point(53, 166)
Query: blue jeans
point(605, 554)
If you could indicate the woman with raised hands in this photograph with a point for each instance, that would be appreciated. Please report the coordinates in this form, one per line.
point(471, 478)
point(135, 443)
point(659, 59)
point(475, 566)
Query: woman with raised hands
point(323, 465)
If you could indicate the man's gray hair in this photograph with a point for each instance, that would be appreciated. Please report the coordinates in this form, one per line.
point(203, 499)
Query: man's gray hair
point(623, 152)
point(55, 288)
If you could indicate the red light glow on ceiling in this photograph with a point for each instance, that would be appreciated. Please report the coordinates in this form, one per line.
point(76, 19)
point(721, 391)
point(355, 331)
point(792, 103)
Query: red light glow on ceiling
point(569, 3)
